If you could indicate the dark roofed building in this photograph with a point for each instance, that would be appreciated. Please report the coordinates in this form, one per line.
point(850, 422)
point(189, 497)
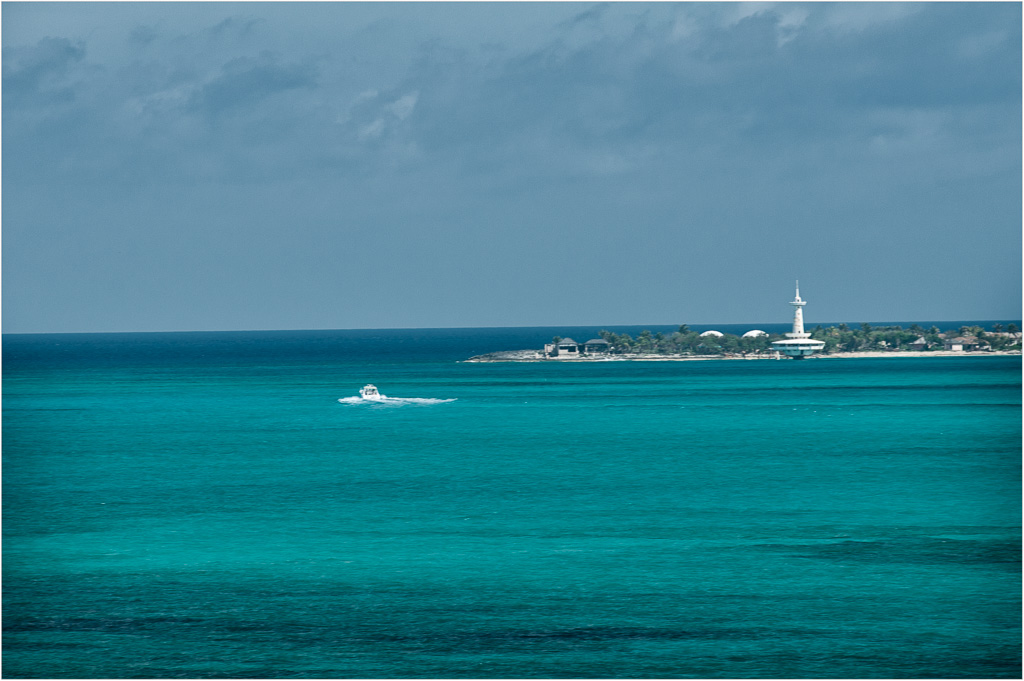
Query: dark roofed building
point(962, 343)
point(596, 345)
point(567, 346)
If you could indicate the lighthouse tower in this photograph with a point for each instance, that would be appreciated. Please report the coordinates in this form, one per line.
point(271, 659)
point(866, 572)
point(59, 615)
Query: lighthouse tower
point(798, 344)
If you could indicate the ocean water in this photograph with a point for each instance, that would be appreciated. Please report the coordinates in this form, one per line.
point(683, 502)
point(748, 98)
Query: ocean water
point(203, 506)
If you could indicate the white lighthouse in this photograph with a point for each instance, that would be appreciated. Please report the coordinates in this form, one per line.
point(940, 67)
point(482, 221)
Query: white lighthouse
point(798, 344)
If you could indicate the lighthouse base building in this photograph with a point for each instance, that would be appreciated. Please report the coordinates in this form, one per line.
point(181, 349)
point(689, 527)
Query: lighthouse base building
point(798, 344)
point(798, 348)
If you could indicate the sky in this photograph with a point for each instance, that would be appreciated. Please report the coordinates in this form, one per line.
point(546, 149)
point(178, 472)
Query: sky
point(333, 165)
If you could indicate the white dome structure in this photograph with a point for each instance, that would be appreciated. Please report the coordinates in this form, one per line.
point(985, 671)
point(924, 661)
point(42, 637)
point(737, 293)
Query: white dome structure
point(712, 332)
point(754, 333)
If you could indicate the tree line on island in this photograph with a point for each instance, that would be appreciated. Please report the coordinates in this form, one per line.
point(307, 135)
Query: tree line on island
point(841, 338)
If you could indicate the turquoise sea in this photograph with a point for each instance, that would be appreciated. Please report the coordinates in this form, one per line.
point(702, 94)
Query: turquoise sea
point(201, 505)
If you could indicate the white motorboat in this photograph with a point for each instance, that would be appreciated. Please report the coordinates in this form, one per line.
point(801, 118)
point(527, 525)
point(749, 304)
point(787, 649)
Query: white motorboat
point(370, 392)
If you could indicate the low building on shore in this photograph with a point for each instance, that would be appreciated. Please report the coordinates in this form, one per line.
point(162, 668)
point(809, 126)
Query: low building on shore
point(963, 344)
point(565, 347)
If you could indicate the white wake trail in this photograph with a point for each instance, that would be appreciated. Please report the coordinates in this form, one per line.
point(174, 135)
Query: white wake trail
point(394, 401)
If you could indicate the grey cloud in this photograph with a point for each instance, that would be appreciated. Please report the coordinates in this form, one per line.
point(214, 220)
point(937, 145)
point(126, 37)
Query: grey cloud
point(376, 115)
point(591, 17)
point(237, 26)
point(141, 36)
point(37, 75)
point(632, 83)
point(246, 82)
point(734, 83)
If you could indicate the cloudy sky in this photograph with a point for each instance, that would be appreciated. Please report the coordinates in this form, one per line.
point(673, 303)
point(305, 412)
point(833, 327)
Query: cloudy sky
point(216, 166)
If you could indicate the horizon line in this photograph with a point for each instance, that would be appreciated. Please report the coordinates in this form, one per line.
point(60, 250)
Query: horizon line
point(545, 326)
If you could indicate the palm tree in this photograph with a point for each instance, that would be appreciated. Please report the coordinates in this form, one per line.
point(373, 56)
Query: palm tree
point(645, 340)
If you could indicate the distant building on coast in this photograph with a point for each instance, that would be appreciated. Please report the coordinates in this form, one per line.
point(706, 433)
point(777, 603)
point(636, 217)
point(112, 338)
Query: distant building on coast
point(920, 344)
point(565, 347)
point(962, 344)
point(798, 344)
point(568, 348)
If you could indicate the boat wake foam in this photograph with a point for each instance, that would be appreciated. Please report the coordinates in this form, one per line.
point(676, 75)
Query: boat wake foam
point(394, 401)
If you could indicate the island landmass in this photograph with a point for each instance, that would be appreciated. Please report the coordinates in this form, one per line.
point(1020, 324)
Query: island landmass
point(839, 341)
